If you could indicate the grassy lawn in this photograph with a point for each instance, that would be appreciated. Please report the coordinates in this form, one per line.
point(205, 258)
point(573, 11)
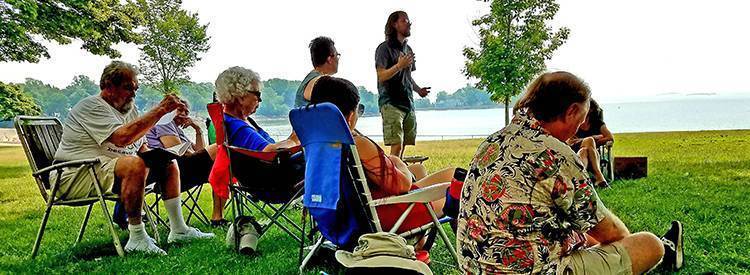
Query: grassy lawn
point(700, 178)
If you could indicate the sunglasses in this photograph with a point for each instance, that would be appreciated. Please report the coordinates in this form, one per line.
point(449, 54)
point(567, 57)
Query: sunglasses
point(256, 93)
point(361, 109)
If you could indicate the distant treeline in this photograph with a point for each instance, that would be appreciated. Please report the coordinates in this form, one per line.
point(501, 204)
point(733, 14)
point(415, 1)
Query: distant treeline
point(278, 97)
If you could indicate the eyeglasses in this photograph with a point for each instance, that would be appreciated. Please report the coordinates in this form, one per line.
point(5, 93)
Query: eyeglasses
point(130, 87)
point(361, 109)
point(256, 93)
point(338, 55)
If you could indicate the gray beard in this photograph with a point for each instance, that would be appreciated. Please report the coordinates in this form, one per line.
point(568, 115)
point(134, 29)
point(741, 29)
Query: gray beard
point(128, 106)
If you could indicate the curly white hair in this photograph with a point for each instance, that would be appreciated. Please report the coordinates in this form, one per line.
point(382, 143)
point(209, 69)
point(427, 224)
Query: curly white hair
point(235, 82)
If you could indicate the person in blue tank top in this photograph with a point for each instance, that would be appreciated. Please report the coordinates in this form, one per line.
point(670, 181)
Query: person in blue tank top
point(325, 61)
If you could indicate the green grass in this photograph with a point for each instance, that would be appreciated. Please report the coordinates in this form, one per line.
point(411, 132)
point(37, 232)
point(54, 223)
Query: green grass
point(700, 178)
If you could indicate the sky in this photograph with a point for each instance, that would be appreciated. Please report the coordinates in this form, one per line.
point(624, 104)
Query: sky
point(625, 50)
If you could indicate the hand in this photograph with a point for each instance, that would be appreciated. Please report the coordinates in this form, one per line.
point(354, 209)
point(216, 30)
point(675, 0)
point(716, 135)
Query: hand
point(170, 103)
point(405, 60)
point(423, 92)
point(187, 121)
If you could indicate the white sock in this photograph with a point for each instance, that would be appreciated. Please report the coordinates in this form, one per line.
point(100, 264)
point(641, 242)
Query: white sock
point(174, 210)
point(137, 232)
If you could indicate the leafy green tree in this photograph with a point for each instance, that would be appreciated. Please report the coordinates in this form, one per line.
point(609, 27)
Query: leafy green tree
point(51, 99)
point(99, 24)
point(14, 102)
point(515, 41)
point(198, 95)
point(81, 87)
point(370, 100)
point(273, 104)
point(147, 97)
point(423, 103)
point(172, 41)
point(284, 88)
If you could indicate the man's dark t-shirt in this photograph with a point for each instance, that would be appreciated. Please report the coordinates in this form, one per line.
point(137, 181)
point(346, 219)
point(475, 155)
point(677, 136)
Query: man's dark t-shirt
point(397, 90)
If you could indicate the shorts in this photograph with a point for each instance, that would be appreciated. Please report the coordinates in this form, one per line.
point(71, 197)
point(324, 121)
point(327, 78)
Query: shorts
point(399, 127)
point(76, 182)
point(600, 259)
point(389, 214)
point(194, 171)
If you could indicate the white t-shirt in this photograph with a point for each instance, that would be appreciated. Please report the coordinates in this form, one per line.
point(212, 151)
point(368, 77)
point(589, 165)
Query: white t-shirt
point(87, 128)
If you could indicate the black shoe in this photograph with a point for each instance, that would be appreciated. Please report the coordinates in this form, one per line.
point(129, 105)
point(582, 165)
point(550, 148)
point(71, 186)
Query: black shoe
point(603, 184)
point(673, 248)
point(219, 223)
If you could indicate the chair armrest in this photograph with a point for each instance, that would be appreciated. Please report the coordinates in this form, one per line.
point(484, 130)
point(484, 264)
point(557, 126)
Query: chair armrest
point(66, 164)
point(421, 195)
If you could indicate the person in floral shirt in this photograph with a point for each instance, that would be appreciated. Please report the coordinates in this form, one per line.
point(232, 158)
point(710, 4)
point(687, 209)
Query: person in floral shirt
point(527, 205)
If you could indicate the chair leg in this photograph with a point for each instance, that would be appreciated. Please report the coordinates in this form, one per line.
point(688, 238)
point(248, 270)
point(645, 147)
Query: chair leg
point(40, 234)
point(115, 238)
point(195, 210)
point(440, 230)
point(310, 254)
point(152, 222)
point(47, 211)
point(85, 222)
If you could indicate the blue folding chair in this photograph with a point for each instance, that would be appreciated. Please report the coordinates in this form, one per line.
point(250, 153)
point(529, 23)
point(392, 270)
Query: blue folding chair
point(337, 195)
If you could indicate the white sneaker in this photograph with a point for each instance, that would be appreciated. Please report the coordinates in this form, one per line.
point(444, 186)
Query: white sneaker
point(147, 245)
point(191, 233)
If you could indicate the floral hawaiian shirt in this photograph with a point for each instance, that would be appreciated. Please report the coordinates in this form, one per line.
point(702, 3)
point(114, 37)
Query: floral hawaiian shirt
point(526, 203)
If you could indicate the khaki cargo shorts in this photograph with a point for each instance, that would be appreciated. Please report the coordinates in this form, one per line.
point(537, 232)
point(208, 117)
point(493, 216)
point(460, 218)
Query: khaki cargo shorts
point(604, 259)
point(399, 127)
point(76, 182)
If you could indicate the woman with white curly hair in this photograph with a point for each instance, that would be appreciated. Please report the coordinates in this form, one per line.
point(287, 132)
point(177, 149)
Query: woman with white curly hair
point(239, 90)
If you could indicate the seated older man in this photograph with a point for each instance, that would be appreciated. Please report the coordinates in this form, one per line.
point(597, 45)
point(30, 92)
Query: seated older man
point(107, 126)
point(528, 207)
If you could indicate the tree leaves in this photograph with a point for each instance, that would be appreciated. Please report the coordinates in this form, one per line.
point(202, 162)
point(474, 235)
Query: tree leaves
point(99, 24)
point(14, 102)
point(515, 42)
point(172, 41)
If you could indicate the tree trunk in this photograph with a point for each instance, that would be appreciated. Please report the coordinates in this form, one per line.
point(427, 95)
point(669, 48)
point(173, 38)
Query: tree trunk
point(507, 108)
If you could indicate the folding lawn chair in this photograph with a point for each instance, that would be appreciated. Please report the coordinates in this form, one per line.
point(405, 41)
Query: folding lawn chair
point(190, 202)
point(40, 137)
point(336, 192)
point(251, 169)
point(607, 161)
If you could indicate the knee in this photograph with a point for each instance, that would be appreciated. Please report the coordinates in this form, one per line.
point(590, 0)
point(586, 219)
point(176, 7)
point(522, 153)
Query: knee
point(588, 142)
point(131, 167)
point(653, 244)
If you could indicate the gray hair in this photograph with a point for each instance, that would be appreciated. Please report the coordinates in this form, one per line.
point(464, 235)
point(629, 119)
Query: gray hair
point(235, 82)
point(114, 73)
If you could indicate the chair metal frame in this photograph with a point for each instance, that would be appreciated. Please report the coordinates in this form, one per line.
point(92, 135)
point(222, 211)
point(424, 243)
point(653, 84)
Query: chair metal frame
point(607, 161)
point(40, 145)
point(190, 203)
point(358, 180)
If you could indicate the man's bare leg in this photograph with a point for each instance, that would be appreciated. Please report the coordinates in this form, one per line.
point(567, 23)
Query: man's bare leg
point(131, 172)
